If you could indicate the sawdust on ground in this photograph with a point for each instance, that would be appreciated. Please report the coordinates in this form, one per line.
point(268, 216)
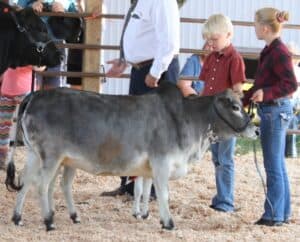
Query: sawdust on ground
point(110, 219)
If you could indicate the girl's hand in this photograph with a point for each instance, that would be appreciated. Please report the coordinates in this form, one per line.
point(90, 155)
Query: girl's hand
point(258, 96)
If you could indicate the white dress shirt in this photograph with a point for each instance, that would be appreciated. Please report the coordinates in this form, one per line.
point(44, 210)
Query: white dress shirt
point(153, 33)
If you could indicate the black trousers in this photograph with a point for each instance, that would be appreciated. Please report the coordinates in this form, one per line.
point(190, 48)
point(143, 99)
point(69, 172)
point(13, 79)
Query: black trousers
point(138, 76)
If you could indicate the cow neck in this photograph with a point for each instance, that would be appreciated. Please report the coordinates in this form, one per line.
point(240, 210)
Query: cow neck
point(8, 48)
point(228, 123)
point(20, 28)
point(198, 111)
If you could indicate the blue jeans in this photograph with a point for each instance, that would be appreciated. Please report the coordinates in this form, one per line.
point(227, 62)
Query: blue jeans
point(291, 139)
point(222, 156)
point(273, 125)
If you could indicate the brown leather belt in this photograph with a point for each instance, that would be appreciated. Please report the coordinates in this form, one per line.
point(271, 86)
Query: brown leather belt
point(144, 63)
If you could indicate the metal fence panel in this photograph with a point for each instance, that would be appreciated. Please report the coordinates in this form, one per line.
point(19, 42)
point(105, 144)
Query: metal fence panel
point(191, 33)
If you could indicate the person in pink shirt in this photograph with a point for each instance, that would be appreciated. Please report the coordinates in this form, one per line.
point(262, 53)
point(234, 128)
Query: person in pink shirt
point(16, 83)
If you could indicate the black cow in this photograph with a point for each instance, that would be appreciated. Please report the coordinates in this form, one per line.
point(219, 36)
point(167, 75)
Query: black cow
point(24, 40)
point(68, 29)
point(153, 136)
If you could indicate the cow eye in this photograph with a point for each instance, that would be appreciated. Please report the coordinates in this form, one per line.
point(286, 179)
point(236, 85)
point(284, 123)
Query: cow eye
point(235, 107)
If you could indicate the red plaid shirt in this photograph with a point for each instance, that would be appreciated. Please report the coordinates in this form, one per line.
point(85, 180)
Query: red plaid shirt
point(222, 70)
point(275, 73)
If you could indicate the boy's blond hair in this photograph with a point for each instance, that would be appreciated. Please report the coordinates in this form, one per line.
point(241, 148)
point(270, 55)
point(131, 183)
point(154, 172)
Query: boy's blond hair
point(217, 24)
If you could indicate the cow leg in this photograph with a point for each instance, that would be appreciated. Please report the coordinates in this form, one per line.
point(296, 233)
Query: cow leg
point(138, 190)
point(50, 193)
point(47, 174)
point(29, 174)
point(160, 180)
point(147, 183)
point(66, 185)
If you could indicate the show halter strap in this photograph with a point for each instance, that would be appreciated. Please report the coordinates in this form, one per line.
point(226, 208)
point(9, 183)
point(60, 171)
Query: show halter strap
point(232, 126)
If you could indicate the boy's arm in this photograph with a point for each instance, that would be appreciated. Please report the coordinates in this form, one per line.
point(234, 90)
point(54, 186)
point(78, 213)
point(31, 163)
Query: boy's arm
point(238, 77)
point(238, 89)
point(186, 87)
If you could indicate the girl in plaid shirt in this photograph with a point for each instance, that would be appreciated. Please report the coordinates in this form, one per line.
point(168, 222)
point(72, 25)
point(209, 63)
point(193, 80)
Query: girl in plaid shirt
point(274, 83)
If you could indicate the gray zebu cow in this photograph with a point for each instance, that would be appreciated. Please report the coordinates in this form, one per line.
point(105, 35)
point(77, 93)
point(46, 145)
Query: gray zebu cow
point(152, 136)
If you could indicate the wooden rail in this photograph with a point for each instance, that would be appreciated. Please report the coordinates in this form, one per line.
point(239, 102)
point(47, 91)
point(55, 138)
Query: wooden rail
point(92, 74)
point(194, 20)
point(182, 20)
point(251, 53)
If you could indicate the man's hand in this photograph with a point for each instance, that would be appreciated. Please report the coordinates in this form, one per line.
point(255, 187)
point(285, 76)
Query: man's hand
point(39, 68)
point(258, 96)
point(57, 7)
point(37, 6)
point(118, 67)
point(151, 81)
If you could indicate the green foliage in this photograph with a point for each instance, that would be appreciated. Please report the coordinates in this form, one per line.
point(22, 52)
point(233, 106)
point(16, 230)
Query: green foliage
point(245, 145)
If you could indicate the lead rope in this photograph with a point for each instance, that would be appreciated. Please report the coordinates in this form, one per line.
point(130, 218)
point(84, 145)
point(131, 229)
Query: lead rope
point(251, 110)
point(252, 106)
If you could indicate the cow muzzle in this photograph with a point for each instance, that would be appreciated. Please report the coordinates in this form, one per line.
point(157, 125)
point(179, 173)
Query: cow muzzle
point(41, 46)
point(251, 131)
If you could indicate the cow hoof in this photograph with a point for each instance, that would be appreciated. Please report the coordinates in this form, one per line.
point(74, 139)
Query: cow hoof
point(145, 216)
point(49, 224)
point(137, 215)
point(75, 218)
point(50, 227)
point(17, 219)
point(169, 225)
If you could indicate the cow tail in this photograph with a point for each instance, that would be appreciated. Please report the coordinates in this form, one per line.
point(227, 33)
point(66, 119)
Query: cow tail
point(10, 178)
point(11, 168)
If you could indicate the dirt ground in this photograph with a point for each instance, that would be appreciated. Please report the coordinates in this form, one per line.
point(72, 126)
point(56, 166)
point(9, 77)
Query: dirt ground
point(109, 219)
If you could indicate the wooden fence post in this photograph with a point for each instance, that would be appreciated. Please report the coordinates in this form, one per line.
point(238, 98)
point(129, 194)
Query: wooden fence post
point(91, 58)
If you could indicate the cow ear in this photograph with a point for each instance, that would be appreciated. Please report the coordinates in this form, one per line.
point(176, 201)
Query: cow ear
point(225, 100)
point(26, 12)
point(227, 96)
